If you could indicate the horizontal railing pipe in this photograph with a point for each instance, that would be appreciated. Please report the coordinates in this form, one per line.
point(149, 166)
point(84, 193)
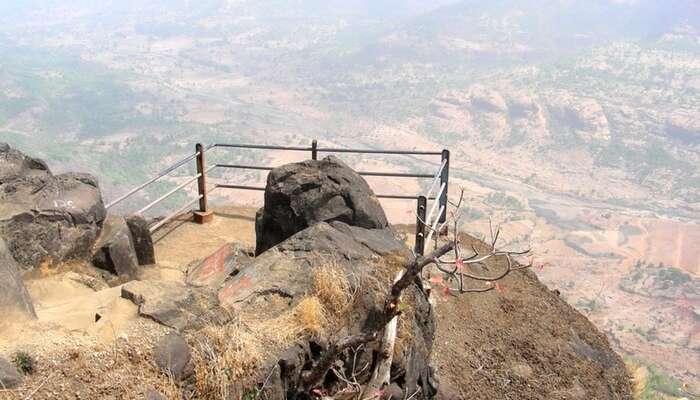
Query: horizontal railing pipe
point(240, 166)
point(398, 197)
point(362, 173)
point(394, 175)
point(170, 193)
point(263, 147)
point(260, 188)
point(155, 178)
point(173, 215)
point(372, 151)
point(243, 187)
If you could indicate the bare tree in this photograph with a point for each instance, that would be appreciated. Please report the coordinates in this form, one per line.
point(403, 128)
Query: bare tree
point(454, 264)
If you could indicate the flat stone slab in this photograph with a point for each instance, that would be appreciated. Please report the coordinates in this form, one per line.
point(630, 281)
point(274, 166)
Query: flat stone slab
point(172, 304)
point(213, 270)
point(162, 301)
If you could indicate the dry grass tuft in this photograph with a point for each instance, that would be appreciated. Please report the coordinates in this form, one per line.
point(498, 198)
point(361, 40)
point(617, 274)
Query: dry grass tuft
point(406, 330)
point(229, 359)
point(640, 376)
point(224, 356)
point(333, 289)
point(311, 315)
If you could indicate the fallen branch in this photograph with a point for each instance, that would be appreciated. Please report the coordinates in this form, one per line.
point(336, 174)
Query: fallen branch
point(454, 270)
point(30, 395)
point(382, 373)
point(317, 374)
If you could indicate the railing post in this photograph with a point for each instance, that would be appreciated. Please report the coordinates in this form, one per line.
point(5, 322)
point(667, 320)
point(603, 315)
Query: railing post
point(444, 178)
point(419, 247)
point(314, 150)
point(203, 215)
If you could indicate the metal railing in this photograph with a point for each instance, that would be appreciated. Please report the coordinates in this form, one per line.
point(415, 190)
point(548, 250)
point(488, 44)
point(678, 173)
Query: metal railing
point(423, 220)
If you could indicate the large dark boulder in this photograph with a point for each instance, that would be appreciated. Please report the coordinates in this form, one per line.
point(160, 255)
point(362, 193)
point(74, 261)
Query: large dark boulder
point(321, 215)
point(115, 251)
point(13, 294)
point(46, 217)
point(279, 279)
point(14, 163)
point(300, 195)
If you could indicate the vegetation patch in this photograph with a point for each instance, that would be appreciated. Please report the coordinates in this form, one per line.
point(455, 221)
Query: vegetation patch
point(650, 383)
point(24, 362)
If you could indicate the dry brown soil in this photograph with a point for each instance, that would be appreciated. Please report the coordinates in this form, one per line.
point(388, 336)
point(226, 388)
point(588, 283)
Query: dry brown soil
point(515, 343)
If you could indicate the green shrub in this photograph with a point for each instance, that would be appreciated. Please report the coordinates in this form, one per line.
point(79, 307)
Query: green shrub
point(24, 362)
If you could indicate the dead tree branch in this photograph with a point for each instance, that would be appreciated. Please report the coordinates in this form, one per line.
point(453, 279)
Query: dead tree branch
point(391, 310)
point(456, 271)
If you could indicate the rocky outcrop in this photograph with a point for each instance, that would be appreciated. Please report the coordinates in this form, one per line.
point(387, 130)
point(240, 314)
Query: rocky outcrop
point(13, 294)
point(290, 265)
point(15, 163)
point(320, 215)
point(684, 126)
point(46, 217)
point(173, 356)
point(10, 378)
point(585, 117)
point(300, 195)
point(141, 239)
point(115, 251)
point(282, 277)
point(486, 99)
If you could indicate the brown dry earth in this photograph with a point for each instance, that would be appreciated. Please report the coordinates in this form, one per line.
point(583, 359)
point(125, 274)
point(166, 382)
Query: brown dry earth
point(507, 344)
point(80, 358)
point(516, 343)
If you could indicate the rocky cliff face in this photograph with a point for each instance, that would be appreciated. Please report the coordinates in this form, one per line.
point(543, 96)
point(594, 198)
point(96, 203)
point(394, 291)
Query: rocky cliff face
point(320, 231)
point(321, 216)
point(241, 326)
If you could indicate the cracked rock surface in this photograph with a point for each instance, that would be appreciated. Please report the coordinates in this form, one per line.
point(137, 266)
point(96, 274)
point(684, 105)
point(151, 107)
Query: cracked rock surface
point(299, 195)
point(46, 218)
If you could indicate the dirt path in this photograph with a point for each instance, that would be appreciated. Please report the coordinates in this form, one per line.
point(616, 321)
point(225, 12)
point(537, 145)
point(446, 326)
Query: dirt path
point(84, 328)
point(183, 241)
